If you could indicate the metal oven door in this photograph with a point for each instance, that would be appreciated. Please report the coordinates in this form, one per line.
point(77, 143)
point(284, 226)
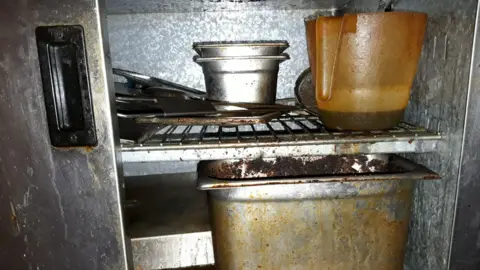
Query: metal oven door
point(61, 187)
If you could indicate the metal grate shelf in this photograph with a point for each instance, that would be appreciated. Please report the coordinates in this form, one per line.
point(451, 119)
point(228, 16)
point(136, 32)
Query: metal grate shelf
point(293, 134)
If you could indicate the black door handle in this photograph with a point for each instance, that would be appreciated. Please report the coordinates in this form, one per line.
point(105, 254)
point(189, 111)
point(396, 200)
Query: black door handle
point(64, 70)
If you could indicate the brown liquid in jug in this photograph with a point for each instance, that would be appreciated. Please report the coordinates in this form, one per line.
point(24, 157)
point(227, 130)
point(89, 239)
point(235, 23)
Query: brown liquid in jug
point(390, 103)
point(358, 121)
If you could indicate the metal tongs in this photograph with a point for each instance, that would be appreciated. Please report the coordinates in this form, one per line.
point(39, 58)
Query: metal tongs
point(151, 85)
point(145, 104)
point(139, 107)
point(153, 97)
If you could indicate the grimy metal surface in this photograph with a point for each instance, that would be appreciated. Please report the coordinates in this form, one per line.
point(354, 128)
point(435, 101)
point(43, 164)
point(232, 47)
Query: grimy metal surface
point(438, 98)
point(289, 135)
point(173, 251)
point(60, 208)
point(465, 250)
point(280, 224)
point(228, 174)
point(227, 119)
point(168, 222)
point(254, 232)
point(438, 102)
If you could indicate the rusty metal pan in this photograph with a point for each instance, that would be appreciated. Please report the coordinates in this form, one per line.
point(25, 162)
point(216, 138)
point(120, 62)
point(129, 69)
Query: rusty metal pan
point(308, 170)
point(299, 213)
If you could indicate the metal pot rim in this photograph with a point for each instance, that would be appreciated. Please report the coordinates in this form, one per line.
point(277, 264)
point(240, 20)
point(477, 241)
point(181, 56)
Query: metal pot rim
point(241, 43)
point(282, 57)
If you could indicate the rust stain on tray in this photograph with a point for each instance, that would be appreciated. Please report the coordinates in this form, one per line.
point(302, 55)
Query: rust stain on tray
point(354, 225)
point(431, 177)
point(292, 167)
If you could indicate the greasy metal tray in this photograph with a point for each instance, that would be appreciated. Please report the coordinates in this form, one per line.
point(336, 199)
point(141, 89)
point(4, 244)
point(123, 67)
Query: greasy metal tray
point(287, 170)
point(260, 118)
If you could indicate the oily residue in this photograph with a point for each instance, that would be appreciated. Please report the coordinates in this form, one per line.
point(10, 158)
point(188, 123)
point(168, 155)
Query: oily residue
point(227, 121)
point(431, 177)
point(87, 149)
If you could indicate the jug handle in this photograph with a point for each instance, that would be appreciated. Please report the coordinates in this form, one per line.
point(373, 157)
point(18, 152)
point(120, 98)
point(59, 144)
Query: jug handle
point(326, 92)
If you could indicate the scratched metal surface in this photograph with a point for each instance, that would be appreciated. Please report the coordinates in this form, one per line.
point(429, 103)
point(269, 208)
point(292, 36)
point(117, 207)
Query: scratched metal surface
point(438, 101)
point(59, 208)
point(173, 251)
point(158, 6)
point(160, 167)
point(160, 44)
point(210, 143)
point(465, 244)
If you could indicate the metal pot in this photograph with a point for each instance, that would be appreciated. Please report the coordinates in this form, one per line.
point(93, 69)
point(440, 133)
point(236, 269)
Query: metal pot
point(240, 48)
point(340, 212)
point(245, 79)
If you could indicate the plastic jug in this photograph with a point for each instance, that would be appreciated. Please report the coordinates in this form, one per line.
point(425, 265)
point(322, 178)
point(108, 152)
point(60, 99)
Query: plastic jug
point(363, 66)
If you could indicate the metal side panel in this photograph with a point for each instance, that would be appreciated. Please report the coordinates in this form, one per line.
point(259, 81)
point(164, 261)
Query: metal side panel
point(465, 250)
point(180, 236)
point(437, 102)
point(60, 208)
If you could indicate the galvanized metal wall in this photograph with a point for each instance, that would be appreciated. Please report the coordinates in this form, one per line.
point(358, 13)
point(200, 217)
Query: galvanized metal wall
point(438, 102)
point(177, 6)
point(160, 44)
point(465, 250)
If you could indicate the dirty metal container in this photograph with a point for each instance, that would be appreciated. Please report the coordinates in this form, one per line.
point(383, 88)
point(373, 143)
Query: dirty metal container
point(242, 79)
point(325, 212)
point(240, 48)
